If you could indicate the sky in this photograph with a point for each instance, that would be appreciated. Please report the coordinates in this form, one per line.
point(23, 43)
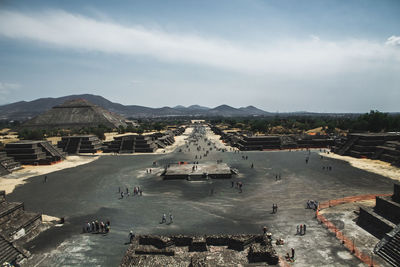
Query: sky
point(280, 56)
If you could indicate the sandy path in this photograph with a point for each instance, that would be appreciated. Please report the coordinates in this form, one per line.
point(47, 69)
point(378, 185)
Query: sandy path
point(375, 166)
point(12, 180)
point(216, 139)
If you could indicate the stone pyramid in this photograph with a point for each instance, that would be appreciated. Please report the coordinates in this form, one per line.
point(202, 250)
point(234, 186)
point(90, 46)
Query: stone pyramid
point(76, 113)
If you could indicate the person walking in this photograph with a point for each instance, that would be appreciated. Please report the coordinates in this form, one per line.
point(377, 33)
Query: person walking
point(131, 237)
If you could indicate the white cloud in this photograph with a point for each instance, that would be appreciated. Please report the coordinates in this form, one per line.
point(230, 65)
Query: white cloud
point(393, 40)
point(7, 87)
point(287, 57)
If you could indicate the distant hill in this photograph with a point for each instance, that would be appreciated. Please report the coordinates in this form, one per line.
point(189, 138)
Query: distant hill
point(24, 110)
point(255, 111)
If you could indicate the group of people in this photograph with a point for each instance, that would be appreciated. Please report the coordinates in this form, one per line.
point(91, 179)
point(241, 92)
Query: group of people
point(312, 204)
point(277, 177)
point(136, 191)
point(96, 227)
point(164, 218)
point(301, 229)
point(328, 168)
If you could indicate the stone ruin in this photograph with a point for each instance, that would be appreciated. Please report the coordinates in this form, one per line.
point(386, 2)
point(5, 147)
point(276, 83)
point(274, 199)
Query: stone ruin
point(382, 146)
point(246, 141)
point(205, 250)
point(34, 152)
point(17, 226)
point(383, 222)
point(7, 164)
point(80, 144)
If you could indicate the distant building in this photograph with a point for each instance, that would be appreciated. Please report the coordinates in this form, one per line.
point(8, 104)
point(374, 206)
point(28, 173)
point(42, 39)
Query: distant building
point(77, 113)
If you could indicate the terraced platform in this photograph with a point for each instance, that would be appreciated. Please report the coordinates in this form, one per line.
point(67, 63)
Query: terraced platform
point(197, 171)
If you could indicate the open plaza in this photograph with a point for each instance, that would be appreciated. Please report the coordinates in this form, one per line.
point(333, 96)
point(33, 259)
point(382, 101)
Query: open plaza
point(106, 190)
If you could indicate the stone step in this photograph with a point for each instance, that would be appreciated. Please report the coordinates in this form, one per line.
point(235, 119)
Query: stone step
point(387, 258)
point(9, 209)
point(8, 252)
point(26, 220)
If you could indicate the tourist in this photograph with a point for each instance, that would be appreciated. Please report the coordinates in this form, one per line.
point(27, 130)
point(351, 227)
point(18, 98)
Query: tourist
point(265, 229)
point(122, 194)
point(170, 218)
point(252, 165)
point(292, 253)
point(287, 256)
point(304, 229)
point(97, 225)
point(131, 237)
point(297, 230)
point(301, 229)
point(164, 218)
point(45, 178)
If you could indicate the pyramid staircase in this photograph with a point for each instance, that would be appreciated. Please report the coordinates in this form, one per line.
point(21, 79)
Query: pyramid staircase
point(383, 221)
point(53, 153)
point(349, 143)
point(80, 144)
point(389, 247)
point(7, 164)
point(8, 253)
point(15, 224)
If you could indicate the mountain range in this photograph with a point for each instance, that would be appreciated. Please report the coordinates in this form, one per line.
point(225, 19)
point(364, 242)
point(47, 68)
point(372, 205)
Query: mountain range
point(24, 110)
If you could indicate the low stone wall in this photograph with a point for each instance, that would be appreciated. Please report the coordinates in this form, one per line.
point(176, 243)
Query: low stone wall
point(388, 209)
point(373, 223)
point(155, 240)
point(258, 253)
point(150, 251)
point(184, 250)
point(396, 193)
point(182, 240)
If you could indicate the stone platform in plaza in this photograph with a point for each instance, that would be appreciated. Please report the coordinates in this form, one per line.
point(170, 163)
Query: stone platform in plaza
point(201, 171)
point(204, 251)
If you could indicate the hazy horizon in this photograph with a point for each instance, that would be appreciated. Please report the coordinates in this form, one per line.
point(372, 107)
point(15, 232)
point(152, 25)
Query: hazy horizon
point(331, 56)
